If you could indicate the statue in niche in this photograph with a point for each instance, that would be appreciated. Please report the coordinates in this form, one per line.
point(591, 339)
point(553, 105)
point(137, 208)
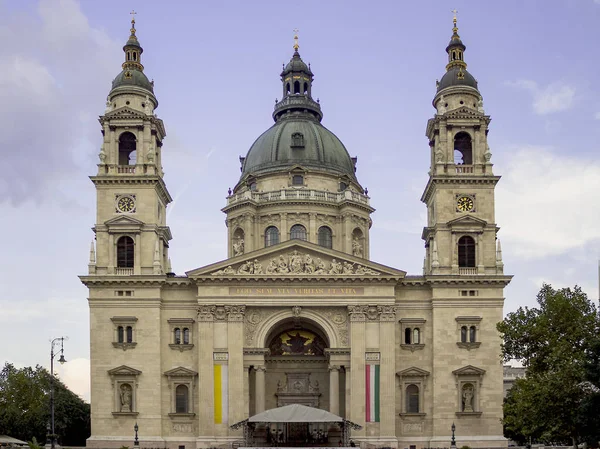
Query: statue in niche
point(125, 396)
point(441, 106)
point(148, 106)
point(467, 398)
point(356, 247)
point(238, 247)
point(439, 156)
point(480, 105)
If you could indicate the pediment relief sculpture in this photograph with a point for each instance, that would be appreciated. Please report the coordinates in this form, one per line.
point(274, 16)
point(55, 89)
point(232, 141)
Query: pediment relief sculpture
point(296, 263)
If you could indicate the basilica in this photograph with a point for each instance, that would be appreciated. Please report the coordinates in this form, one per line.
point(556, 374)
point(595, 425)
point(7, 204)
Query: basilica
point(297, 337)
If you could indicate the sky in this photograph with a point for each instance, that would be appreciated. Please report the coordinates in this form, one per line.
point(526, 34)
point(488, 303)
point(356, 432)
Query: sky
point(216, 68)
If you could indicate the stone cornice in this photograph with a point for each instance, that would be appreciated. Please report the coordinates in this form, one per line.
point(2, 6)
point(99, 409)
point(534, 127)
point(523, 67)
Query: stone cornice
point(443, 280)
point(456, 180)
point(132, 179)
point(114, 281)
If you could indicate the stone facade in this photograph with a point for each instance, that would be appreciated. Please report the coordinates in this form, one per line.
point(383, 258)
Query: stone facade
point(298, 318)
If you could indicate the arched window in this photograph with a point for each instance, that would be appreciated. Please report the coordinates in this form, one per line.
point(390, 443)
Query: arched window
point(416, 336)
point(463, 334)
point(472, 334)
point(305, 88)
point(120, 334)
point(463, 150)
point(125, 251)
point(412, 399)
point(181, 399)
point(296, 87)
point(186, 336)
point(177, 336)
point(407, 335)
point(298, 232)
point(298, 140)
point(271, 236)
point(325, 237)
point(127, 149)
point(287, 88)
point(466, 251)
point(128, 56)
point(129, 334)
point(134, 56)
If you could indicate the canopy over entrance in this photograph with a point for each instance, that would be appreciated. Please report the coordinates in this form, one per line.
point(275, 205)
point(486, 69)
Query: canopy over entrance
point(296, 413)
point(295, 425)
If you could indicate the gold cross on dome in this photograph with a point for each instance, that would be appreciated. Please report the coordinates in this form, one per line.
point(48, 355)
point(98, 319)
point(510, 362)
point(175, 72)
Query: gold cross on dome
point(455, 11)
point(296, 46)
point(133, 13)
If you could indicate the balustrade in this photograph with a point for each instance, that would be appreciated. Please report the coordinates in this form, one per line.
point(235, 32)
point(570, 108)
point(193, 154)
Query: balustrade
point(298, 194)
point(123, 271)
point(467, 271)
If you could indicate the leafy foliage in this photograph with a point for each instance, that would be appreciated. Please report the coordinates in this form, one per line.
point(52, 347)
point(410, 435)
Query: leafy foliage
point(25, 407)
point(554, 342)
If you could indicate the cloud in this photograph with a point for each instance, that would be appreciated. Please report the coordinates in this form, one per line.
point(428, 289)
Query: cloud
point(547, 202)
point(76, 375)
point(47, 83)
point(555, 97)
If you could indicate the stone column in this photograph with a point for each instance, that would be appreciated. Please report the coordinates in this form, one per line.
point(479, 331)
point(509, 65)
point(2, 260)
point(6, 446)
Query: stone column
point(111, 254)
point(235, 347)
point(206, 398)
point(334, 389)
point(137, 260)
point(356, 410)
point(259, 389)
point(283, 230)
point(387, 373)
point(312, 228)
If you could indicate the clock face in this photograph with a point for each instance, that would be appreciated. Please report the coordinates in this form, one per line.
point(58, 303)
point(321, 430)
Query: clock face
point(126, 204)
point(465, 204)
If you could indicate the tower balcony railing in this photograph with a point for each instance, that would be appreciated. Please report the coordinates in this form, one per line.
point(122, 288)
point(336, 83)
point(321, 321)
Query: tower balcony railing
point(462, 169)
point(467, 270)
point(126, 169)
point(320, 196)
point(123, 271)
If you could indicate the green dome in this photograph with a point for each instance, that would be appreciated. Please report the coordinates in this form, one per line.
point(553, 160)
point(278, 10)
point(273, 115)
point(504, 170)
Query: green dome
point(296, 64)
point(137, 79)
point(451, 78)
point(276, 150)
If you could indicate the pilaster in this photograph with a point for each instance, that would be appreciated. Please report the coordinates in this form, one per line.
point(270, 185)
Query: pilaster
point(235, 338)
point(356, 409)
point(387, 376)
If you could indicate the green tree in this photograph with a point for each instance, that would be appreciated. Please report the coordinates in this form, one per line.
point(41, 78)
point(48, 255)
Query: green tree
point(25, 407)
point(554, 341)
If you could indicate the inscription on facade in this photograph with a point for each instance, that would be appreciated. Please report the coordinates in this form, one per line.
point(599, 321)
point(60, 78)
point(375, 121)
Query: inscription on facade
point(296, 291)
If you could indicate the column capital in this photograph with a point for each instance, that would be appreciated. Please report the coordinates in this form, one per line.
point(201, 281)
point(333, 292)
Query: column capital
point(206, 313)
point(334, 367)
point(260, 368)
point(235, 313)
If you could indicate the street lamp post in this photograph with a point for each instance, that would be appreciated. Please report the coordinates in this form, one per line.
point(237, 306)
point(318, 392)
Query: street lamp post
point(136, 442)
point(61, 360)
point(453, 441)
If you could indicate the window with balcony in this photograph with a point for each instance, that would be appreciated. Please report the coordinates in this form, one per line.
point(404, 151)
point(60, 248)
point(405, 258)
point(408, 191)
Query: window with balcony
point(125, 252)
point(466, 252)
point(124, 332)
point(468, 328)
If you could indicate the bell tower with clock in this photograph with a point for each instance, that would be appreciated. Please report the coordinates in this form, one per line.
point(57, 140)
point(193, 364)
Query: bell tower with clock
point(131, 233)
point(460, 236)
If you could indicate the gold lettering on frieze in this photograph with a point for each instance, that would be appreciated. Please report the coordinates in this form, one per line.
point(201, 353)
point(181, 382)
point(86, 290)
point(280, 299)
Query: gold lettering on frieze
point(297, 291)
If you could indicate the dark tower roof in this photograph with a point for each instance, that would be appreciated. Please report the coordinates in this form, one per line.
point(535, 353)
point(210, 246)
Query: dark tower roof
point(456, 69)
point(297, 137)
point(133, 70)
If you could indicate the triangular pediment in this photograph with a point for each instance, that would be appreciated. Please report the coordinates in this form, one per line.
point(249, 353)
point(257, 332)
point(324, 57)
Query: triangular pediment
point(180, 371)
point(125, 112)
point(467, 221)
point(295, 258)
point(463, 112)
point(413, 371)
point(124, 370)
point(469, 370)
point(123, 220)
